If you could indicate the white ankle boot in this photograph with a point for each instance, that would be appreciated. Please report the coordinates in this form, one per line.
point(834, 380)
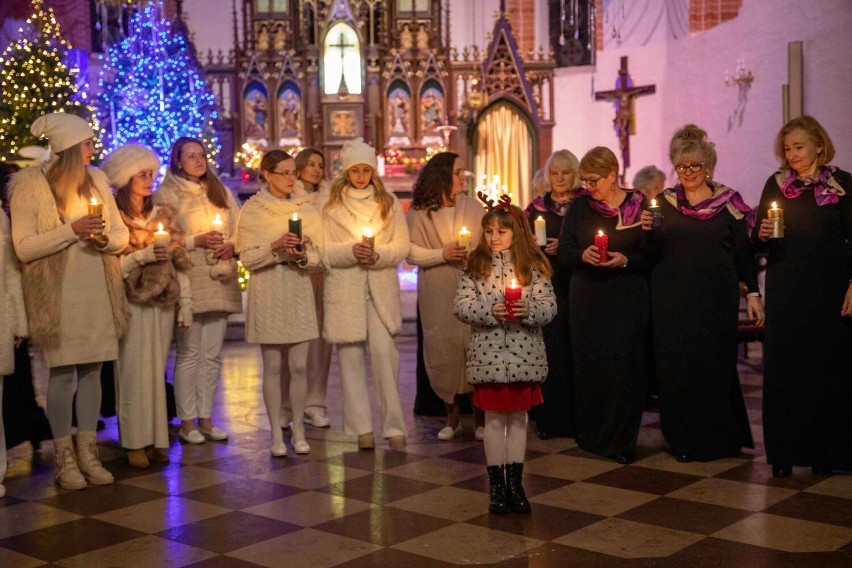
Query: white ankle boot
point(67, 475)
point(87, 459)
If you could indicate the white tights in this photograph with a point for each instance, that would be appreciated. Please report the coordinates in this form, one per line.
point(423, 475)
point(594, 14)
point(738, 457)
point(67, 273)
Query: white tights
point(60, 393)
point(505, 437)
point(296, 358)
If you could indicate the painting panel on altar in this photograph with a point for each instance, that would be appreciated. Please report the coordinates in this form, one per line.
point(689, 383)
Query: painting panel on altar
point(289, 115)
point(399, 114)
point(255, 112)
point(431, 109)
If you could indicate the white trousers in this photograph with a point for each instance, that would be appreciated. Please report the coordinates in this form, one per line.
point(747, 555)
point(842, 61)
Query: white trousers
point(384, 360)
point(197, 364)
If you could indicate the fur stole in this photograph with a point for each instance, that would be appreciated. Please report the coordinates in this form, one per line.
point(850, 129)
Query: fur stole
point(156, 283)
point(42, 277)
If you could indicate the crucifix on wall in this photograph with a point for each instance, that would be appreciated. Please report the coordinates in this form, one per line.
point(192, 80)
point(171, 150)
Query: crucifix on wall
point(623, 95)
point(342, 89)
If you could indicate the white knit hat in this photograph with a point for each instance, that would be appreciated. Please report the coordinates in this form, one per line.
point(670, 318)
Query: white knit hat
point(356, 152)
point(62, 129)
point(126, 161)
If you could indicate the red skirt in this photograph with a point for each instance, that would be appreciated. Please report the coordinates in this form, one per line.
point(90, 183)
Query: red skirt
point(507, 397)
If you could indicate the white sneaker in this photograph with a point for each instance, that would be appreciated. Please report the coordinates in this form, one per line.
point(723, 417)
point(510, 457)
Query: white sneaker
point(191, 437)
point(216, 434)
point(447, 433)
point(317, 420)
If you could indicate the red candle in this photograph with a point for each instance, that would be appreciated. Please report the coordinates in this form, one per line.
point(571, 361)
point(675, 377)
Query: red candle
point(512, 294)
point(602, 242)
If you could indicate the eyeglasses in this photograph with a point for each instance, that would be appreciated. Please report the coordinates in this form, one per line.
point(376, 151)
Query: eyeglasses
point(591, 182)
point(696, 167)
point(285, 173)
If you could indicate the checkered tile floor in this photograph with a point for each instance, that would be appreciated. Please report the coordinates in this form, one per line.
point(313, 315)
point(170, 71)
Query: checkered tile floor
point(231, 504)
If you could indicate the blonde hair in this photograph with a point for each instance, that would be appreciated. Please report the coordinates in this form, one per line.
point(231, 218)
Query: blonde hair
point(565, 160)
point(599, 160)
point(526, 254)
point(692, 140)
point(814, 131)
point(69, 174)
point(380, 194)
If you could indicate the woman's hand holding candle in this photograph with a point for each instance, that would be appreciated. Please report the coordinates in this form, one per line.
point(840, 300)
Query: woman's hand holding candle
point(209, 240)
point(454, 253)
point(773, 226)
point(161, 244)
point(512, 296)
point(464, 237)
point(87, 225)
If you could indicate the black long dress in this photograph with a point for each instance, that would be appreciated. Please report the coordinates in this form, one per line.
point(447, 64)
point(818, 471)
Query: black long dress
point(555, 416)
point(695, 303)
point(609, 313)
point(807, 367)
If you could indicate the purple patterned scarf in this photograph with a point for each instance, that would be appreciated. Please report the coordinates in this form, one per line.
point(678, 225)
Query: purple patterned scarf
point(723, 198)
point(826, 189)
point(544, 203)
point(630, 209)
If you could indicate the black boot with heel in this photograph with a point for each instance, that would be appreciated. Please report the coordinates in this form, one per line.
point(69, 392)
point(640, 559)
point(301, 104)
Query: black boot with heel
point(498, 502)
point(517, 498)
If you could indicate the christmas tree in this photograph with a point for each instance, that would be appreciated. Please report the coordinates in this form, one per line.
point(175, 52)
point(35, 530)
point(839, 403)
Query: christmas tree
point(151, 91)
point(35, 81)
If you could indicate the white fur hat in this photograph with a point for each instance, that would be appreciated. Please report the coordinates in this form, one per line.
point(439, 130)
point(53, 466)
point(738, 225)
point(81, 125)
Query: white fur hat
point(126, 161)
point(356, 152)
point(62, 129)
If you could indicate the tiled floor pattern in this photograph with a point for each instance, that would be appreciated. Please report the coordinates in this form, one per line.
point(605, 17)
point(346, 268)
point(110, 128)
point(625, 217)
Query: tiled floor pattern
point(231, 504)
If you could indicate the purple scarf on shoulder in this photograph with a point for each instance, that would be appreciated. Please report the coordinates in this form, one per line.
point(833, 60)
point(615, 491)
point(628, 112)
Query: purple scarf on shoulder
point(544, 203)
point(826, 189)
point(723, 198)
point(630, 209)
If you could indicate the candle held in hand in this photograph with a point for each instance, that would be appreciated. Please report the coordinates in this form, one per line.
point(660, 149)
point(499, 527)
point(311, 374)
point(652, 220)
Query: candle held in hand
point(464, 237)
point(161, 237)
point(776, 215)
point(540, 231)
point(369, 238)
point(96, 208)
point(218, 224)
point(294, 225)
point(512, 294)
point(602, 242)
point(656, 215)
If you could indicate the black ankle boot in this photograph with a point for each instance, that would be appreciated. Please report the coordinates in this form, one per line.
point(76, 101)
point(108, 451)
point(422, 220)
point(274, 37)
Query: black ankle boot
point(517, 498)
point(498, 502)
point(782, 471)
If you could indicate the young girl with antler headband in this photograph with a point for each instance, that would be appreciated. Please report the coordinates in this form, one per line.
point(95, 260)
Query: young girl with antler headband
point(506, 296)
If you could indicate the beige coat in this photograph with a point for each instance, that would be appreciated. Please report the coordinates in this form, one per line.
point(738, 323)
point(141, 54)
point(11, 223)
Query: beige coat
point(73, 292)
point(13, 316)
point(281, 306)
point(195, 216)
point(347, 282)
point(445, 338)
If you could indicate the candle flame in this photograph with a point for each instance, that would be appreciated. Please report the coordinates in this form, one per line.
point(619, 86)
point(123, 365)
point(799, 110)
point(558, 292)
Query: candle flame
point(600, 233)
point(464, 231)
point(159, 227)
point(653, 203)
point(514, 283)
point(94, 201)
point(217, 220)
point(774, 205)
point(368, 232)
point(540, 218)
point(295, 216)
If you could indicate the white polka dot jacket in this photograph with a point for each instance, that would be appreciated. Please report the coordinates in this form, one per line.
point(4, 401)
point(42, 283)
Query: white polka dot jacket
point(509, 351)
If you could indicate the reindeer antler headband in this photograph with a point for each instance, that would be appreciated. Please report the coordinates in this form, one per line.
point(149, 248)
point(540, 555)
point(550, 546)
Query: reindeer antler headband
point(503, 203)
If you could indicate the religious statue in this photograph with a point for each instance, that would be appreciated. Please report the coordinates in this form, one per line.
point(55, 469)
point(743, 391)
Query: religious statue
point(622, 120)
point(399, 112)
point(289, 114)
point(422, 37)
point(256, 115)
point(279, 38)
point(262, 38)
point(431, 106)
point(406, 39)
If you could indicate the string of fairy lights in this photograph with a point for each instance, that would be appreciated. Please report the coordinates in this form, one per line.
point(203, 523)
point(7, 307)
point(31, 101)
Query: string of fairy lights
point(34, 80)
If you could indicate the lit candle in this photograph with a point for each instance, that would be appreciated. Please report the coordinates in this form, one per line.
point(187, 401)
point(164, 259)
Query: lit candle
point(161, 237)
point(656, 215)
point(295, 227)
point(464, 237)
point(540, 231)
point(776, 214)
point(512, 294)
point(218, 224)
point(602, 242)
point(96, 208)
point(369, 238)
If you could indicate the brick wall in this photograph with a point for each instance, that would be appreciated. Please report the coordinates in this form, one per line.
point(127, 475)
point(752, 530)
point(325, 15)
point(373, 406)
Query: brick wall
point(707, 14)
point(521, 15)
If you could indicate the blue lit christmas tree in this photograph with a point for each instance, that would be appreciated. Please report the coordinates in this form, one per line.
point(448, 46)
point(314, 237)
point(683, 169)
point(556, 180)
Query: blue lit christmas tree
point(151, 90)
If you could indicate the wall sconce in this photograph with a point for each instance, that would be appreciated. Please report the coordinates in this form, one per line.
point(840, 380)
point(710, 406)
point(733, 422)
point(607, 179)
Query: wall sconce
point(741, 77)
point(475, 97)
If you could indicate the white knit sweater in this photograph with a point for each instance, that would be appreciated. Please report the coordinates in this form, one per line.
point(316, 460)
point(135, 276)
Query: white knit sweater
point(13, 316)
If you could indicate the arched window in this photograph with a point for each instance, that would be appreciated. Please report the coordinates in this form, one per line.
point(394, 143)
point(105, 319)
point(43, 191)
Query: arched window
point(341, 59)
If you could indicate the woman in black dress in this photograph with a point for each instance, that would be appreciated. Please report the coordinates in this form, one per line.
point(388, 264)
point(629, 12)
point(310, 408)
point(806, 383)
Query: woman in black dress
point(702, 251)
point(807, 367)
point(608, 309)
point(560, 180)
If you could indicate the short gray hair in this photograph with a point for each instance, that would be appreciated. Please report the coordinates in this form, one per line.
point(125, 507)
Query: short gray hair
point(647, 176)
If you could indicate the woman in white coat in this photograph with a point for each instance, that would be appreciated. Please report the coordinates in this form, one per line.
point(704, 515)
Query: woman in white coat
point(73, 289)
point(156, 282)
point(207, 211)
point(281, 316)
point(13, 321)
point(362, 305)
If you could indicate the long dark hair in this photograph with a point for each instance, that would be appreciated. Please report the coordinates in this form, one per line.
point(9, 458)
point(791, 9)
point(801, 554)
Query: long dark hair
point(216, 192)
point(434, 182)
